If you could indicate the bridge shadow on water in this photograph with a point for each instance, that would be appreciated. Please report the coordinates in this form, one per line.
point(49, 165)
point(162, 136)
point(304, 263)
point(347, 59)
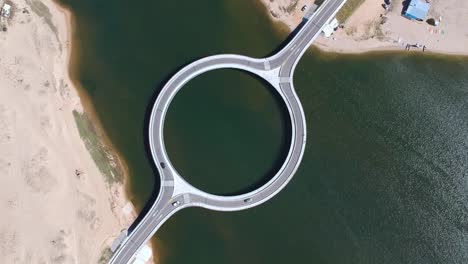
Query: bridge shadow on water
point(288, 39)
point(284, 147)
point(284, 144)
point(157, 183)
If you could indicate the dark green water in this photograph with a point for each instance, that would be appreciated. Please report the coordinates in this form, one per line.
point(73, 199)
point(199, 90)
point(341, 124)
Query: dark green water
point(385, 175)
point(239, 135)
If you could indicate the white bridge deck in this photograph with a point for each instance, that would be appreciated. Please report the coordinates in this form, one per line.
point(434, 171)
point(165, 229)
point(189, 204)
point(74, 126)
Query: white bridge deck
point(175, 193)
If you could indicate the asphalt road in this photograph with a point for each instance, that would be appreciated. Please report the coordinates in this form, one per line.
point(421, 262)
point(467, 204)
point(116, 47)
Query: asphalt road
point(175, 193)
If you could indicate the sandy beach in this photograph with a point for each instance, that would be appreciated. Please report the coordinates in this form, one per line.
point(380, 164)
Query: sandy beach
point(365, 30)
point(58, 205)
point(62, 185)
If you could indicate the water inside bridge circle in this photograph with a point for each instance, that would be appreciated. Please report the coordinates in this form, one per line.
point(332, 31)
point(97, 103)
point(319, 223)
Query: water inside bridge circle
point(227, 132)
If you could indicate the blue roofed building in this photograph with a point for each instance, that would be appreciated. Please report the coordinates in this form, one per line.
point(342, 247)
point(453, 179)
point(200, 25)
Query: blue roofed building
point(417, 9)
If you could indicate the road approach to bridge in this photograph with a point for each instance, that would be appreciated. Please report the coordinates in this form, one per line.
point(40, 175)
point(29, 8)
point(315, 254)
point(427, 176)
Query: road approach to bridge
point(175, 193)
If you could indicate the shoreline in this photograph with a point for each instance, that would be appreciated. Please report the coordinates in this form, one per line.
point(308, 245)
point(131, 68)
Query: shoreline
point(341, 43)
point(120, 191)
point(387, 50)
point(86, 102)
point(50, 137)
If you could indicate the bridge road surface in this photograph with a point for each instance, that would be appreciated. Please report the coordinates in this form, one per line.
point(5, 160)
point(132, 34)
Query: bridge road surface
point(175, 193)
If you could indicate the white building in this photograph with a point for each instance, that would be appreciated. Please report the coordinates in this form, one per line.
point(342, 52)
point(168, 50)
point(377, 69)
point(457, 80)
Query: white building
point(144, 255)
point(6, 11)
point(329, 28)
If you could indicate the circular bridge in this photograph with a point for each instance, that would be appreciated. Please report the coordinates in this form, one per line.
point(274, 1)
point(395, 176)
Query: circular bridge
point(174, 190)
point(175, 193)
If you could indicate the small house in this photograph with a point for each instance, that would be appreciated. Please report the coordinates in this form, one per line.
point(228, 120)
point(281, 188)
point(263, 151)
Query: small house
point(6, 11)
point(417, 10)
point(329, 28)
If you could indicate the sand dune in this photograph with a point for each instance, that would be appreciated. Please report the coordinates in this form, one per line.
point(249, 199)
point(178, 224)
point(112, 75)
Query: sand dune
point(50, 213)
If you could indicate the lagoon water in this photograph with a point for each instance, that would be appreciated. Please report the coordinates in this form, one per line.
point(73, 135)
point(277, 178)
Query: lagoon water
point(385, 175)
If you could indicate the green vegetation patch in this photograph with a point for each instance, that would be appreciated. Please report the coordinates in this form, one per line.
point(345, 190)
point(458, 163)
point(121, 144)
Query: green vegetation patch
point(291, 7)
point(106, 255)
point(101, 154)
point(43, 11)
point(348, 9)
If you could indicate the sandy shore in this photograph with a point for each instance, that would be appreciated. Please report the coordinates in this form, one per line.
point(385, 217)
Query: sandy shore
point(57, 204)
point(363, 31)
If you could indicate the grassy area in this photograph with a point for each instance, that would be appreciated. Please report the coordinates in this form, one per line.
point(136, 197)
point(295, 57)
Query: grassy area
point(292, 6)
point(348, 9)
point(101, 154)
point(105, 256)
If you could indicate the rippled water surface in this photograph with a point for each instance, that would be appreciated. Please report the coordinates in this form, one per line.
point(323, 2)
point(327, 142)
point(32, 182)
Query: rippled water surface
point(384, 178)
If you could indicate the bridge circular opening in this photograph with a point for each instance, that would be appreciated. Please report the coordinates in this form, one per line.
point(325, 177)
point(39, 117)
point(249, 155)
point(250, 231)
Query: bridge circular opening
point(227, 132)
